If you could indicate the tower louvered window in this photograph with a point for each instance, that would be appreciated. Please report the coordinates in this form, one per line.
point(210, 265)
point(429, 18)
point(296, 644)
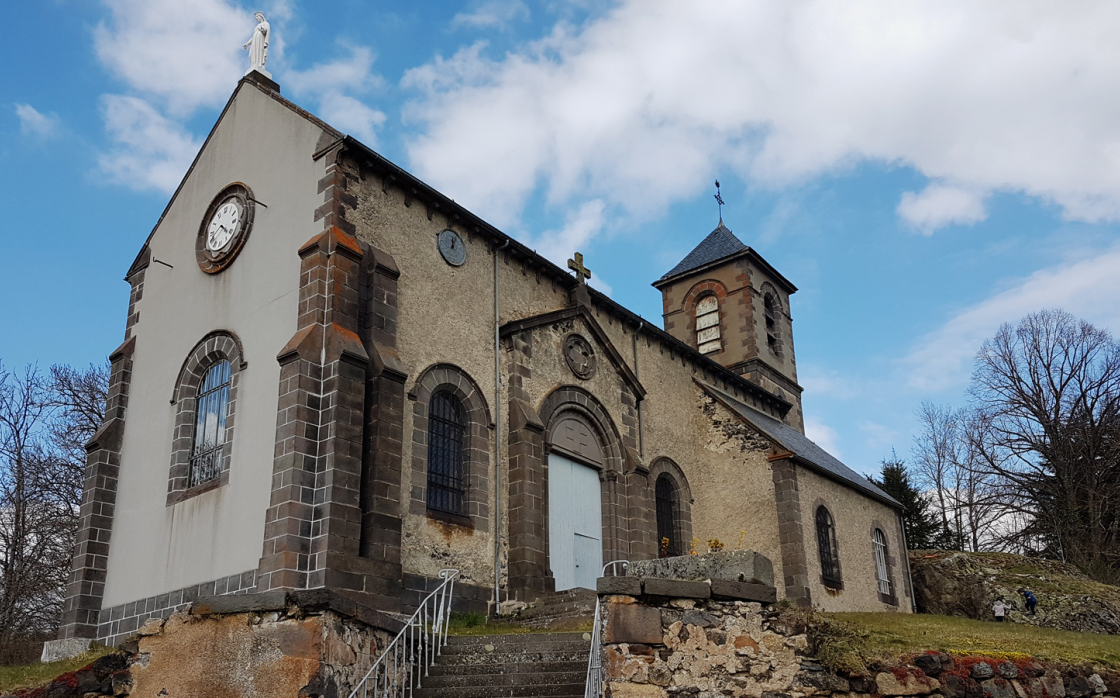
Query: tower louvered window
point(210, 425)
point(771, 311)
point(827, 549)
point(447, 426)
point(668, 536)
point(707, 325)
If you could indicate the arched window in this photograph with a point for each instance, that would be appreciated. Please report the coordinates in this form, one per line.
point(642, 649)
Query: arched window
point(770, 306)
point(827, 549)
point(210, 425)
point(882, 572)
point(668, 511)
point(707, 325)
point(447, 426)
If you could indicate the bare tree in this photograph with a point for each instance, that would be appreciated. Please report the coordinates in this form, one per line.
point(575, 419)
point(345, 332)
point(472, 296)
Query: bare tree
point(43, 427)
point(963, 495)
point(1047, 398)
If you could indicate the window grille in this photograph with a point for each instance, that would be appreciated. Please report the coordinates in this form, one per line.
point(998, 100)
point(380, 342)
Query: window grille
point(707, 325)
point(447, 427)
point(879, 542)
point(827, 549)
point(666, 496)
point(210, 425)
point(771, 310)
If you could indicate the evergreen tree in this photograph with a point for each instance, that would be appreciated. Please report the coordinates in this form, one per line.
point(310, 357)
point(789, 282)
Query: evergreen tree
point(922, 528)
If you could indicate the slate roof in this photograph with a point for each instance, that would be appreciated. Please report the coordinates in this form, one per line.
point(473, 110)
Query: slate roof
point(719, 243)
point(805, 451)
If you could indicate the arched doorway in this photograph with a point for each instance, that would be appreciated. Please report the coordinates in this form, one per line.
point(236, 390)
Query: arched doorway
point(575, 510)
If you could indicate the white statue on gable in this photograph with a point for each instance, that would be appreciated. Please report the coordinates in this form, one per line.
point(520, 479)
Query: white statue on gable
point(258, 46)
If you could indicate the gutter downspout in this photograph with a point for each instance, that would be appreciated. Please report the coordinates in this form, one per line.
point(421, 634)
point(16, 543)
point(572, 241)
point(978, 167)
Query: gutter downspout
point(497, 439)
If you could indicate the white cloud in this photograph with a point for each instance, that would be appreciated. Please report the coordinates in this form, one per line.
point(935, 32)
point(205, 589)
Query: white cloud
point(640, 106)
point(150, 151)
point(335, 84)
point(822, 435)
point(494, 13)
point(1087, 287)
point(939, 205)
point(187, 54)
point(32, 122)
point(821, 381)
point(351, 116)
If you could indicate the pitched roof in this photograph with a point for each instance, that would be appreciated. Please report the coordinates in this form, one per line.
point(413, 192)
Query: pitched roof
point(720, 243)
point(804, 451)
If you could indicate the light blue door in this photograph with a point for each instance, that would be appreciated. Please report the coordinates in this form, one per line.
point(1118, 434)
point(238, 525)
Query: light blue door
point(575, 523)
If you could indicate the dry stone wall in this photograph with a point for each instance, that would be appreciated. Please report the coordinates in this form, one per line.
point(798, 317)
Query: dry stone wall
point(657, 645)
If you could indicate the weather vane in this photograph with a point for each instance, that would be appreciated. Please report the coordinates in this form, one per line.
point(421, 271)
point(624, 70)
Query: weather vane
point(719, 200)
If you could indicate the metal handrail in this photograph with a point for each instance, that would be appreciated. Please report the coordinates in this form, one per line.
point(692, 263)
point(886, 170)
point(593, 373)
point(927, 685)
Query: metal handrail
point(399, 668)
point(593, 686)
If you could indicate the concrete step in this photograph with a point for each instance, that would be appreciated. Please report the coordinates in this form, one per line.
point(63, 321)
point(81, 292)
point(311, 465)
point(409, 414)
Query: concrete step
point(517, 639)
point(533, 678)
point(510, 668)
point(567, 690)
point(482, 658)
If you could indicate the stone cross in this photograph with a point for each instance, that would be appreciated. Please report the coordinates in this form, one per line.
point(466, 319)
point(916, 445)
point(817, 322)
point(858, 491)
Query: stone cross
point(576, 265)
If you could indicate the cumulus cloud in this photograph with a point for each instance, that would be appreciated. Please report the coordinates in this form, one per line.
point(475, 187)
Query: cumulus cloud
point(1087, 287)
point(494, 13)
point(32, 122)
point(641, 105)
point(150, 151)
point(822, 435)
point(939, 205)
point(335, 85)
point(186, 54)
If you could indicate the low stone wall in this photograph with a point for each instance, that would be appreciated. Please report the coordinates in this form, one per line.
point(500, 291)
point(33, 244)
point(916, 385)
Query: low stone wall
point(681, 641)
point(309, 644)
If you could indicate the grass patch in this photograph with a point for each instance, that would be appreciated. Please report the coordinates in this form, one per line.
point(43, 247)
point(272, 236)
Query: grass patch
point(877, 638)
point(13, 678)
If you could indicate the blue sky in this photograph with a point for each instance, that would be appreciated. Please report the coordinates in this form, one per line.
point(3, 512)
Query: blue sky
point(921, 171)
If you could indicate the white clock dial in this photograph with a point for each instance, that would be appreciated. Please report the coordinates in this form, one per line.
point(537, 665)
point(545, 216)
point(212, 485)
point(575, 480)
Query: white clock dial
point(223, 226)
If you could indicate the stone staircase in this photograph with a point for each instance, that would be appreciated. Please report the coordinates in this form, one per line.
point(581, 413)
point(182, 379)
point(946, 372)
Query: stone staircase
point(552, 664)
point(562, 610)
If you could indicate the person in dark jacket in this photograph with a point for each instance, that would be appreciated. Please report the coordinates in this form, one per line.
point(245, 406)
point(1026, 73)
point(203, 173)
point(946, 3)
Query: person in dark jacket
point(1030, 599)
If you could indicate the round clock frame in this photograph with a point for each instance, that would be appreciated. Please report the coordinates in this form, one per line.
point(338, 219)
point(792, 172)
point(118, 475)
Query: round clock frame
point(452, 248)
point(214, 261)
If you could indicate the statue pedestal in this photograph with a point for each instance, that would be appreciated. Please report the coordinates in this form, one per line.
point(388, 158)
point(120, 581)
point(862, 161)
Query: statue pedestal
point(264, 79)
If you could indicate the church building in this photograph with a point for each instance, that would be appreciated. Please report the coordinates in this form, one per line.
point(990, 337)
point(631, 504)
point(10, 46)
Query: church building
point(334, 376)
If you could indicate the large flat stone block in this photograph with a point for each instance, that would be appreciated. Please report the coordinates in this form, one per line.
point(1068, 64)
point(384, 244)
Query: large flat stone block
point(629, 586)
point(54, 650)
point(733, 565)
point(676, 588)
point(743, 591)
point(633, 623)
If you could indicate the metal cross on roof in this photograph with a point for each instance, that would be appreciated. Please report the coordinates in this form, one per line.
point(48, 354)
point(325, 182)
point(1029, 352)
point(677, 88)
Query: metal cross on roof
point(719, 200)
point(576, 265)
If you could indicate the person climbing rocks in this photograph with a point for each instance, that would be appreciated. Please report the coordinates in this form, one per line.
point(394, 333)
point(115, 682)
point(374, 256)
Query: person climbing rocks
point(1030, 599)
point(1000, 609)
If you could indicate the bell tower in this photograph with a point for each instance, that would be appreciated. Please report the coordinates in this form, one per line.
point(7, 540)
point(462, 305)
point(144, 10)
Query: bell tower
point(727, 302)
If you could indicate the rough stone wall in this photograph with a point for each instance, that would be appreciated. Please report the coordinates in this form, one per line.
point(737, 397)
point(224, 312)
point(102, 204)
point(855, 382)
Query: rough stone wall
point(854, 516)
point(661, 646)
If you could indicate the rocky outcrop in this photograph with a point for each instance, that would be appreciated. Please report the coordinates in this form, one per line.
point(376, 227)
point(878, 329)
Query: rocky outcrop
point(967, 584)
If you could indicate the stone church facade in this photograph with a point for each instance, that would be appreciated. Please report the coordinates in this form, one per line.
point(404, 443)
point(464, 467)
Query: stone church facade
point(335, 376)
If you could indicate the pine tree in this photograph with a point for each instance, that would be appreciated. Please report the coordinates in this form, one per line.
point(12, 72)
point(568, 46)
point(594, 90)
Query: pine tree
point(922, 529)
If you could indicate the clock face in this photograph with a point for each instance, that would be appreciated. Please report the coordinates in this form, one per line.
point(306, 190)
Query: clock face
point(452, 248)
point(224, 224)
point(224, 228)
